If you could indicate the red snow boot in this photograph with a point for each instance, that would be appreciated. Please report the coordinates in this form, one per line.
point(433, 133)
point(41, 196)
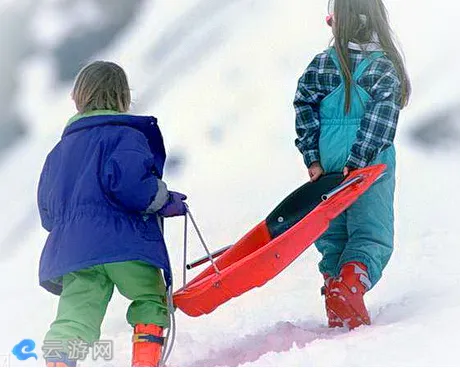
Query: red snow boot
point(61, 361)
point(332, 320)
point(344, 295)
point(147, 345)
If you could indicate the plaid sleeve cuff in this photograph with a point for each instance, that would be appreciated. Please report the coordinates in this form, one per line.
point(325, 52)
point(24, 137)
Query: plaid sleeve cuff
point(355, 162)
point(310, 156)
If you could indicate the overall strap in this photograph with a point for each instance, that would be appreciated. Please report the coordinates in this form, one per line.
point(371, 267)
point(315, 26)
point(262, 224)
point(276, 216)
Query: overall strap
point(335, 58)
point(361, 67)
point(365, 63)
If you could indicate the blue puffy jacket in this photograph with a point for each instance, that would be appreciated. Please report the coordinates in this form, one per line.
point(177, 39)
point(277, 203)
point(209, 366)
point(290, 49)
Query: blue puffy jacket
point(94, 189)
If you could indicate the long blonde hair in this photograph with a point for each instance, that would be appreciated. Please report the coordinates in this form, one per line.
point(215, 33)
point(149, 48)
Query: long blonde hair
point(101, 85)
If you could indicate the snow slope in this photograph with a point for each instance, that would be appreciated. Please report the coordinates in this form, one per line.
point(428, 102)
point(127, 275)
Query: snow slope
point(221, 80)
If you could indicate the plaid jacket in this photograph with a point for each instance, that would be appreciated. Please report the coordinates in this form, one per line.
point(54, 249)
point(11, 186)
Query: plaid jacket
point(378, 126)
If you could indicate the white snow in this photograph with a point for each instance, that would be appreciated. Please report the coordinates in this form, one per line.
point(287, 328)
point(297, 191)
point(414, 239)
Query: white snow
point(250, 57)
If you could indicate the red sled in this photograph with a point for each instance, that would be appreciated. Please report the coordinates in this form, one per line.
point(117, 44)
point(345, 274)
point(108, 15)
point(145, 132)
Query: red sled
point(276, 242)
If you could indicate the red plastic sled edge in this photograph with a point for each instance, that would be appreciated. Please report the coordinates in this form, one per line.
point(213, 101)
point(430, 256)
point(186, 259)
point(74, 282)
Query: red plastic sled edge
point(256, 258)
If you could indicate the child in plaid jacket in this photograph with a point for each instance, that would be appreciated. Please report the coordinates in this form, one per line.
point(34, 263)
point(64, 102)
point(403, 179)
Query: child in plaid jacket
point(347, 108)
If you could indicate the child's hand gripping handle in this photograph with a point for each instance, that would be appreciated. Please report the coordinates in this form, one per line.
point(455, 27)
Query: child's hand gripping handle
point(174, 206)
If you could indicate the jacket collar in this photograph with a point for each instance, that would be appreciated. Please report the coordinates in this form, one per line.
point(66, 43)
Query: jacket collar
point(371, 46)
point(147, 125)
point(107, 117)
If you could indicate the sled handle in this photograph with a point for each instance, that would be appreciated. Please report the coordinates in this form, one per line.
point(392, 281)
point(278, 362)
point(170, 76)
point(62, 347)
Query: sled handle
point(205, 259)
point(200, 236)
point(341, 187)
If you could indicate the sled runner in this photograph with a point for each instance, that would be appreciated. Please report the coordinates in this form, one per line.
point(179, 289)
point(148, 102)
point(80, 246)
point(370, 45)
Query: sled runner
point(276, 242)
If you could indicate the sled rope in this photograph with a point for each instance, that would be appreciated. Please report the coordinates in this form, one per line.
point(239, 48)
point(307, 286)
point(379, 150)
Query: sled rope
point(184, 270)
point(170, 337)
point(171, 334)
point(211, 259)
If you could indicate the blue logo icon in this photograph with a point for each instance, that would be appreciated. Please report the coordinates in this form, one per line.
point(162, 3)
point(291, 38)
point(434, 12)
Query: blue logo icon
point(24, 350)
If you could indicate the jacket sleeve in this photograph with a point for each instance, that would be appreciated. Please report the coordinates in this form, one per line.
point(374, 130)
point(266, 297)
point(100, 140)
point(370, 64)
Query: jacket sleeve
point(306, 103)
point(128, 175)
point(378, 127)
point(45, 215)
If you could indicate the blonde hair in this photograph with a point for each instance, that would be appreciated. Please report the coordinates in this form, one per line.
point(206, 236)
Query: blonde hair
point(101, 85)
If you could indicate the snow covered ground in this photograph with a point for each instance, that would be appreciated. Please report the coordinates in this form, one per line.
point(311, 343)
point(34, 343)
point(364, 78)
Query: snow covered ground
point(221, 80)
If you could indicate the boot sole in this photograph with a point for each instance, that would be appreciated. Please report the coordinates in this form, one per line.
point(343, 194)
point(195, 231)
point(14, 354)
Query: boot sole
point(333, 320)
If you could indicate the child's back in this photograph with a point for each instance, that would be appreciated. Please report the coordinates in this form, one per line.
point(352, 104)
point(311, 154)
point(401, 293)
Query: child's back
point(347, 108)
point(362, 135)
point(95, 187)
point(102, 199)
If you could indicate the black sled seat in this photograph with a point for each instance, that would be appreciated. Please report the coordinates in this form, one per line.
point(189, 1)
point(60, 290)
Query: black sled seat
point(300, 203)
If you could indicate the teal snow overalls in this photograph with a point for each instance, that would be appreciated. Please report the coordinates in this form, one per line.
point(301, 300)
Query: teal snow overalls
point(365, 232)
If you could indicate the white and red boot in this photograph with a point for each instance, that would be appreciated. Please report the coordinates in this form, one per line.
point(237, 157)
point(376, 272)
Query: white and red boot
point(344, 295)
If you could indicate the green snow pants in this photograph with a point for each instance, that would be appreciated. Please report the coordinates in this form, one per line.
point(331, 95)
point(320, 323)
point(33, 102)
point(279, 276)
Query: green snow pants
point(86, 295)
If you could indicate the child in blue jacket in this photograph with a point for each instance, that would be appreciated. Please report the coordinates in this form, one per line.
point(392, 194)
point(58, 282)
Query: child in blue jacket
point(347, 108)
point(102, 200)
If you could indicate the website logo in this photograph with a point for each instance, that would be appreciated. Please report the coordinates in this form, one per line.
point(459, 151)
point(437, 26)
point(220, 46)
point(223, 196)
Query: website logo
point(25, 350)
